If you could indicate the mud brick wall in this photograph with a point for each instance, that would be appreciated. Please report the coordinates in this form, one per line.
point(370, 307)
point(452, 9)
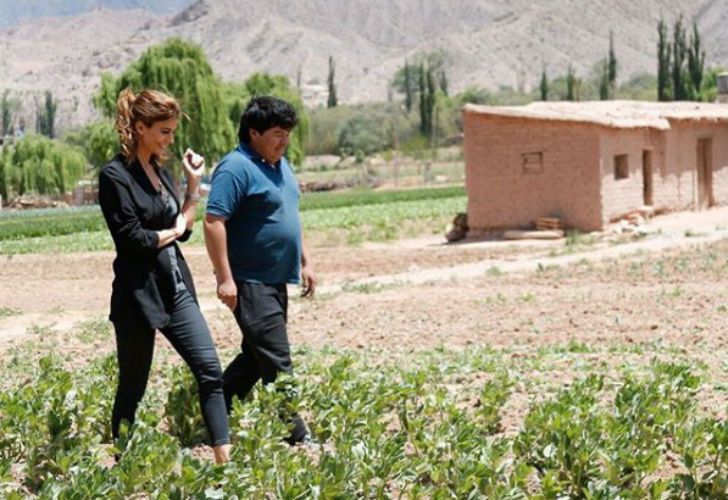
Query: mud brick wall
point(502, 195)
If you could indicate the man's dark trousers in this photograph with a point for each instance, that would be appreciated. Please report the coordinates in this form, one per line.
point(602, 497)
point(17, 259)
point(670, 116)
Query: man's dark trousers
point(261, 313)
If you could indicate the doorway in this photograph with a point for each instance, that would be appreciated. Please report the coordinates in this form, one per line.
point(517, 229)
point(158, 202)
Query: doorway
point(705, 173)
point(647, 177)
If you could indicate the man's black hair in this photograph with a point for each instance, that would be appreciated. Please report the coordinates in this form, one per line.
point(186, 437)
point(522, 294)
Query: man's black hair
point(266, 112)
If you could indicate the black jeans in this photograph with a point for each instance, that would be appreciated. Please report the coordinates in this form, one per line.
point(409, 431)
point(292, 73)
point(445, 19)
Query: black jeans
point(189, 335)
point(261, 313)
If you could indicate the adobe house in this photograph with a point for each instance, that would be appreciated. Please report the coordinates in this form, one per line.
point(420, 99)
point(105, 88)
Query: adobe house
point(591, 162)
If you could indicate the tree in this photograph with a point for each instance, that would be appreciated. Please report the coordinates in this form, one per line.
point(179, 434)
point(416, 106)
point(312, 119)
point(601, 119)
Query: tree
point(332, 100)
point(664, 51)
point(237, 95)
point(406, 78)
point(544, 85)
point(679, 72)
point(427, 100)
point(99, 142)
point(443, 82)
point(571, 92)
point(696, 64)
point(8, 106)
point(604, 84)
point(611, 66)
point(37, 164)
point(46, 117)
point(408, 86)
point(181, 69)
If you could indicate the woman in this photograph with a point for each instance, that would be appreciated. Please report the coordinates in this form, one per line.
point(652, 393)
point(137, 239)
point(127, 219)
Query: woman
point(153, 288)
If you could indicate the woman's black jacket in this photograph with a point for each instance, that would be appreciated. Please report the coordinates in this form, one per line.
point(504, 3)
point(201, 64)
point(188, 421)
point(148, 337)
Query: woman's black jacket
point(134, 212)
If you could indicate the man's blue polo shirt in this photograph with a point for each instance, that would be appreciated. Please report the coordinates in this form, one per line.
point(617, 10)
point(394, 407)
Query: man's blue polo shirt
point(260, 204)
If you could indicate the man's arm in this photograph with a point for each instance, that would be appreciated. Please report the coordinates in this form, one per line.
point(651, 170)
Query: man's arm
point(216, 243)
point(308, 277)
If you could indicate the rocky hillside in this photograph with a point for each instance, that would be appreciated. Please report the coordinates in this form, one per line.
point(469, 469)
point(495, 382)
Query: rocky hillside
point(486, 42)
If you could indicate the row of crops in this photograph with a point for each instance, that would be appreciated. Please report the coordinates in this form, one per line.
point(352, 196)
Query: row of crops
point(357, 216)
point(426, 425)
point(55, 222)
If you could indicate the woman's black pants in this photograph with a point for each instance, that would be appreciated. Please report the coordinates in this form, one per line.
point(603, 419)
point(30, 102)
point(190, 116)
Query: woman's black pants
point(189, 335)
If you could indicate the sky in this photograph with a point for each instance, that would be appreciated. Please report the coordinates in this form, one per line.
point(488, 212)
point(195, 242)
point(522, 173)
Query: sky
point(14, 11)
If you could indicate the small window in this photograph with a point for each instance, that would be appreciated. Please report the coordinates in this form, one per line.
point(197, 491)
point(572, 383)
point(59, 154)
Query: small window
point(621, 167)
point(532, 163)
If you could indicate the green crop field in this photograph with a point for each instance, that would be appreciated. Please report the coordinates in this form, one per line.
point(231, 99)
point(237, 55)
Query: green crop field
point(434, 424)
point(362, 215)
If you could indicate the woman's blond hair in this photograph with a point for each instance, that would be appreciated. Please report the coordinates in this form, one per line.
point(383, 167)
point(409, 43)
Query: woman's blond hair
point(148, 106)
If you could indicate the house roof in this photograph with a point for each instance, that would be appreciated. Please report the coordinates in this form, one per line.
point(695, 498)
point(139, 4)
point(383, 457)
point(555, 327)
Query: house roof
point(613, 114)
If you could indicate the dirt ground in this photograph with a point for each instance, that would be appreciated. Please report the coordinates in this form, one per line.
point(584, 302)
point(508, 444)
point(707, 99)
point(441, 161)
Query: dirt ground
point(418, 294)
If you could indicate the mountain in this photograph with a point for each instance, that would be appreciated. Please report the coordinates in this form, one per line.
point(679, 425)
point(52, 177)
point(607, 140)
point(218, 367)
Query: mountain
point(485, 42)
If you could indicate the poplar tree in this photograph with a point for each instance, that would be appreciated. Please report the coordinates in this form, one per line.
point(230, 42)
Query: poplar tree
point(332, 100)
point(443, 82)
point(696, 64)
point(612, 66)
point(679, 53)
point(664, 51)
point(408, 86)
point(570, 84)
point(544, 85)
point(6, 110)
point(46, 116)
point(428, 90)
point(604, 83)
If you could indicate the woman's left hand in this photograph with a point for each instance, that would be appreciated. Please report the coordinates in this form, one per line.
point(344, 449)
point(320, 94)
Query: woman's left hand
point(194, 164)
point(180, 225)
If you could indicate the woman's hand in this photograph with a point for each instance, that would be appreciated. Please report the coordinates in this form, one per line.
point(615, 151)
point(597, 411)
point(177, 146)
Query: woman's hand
point(180, 225)
point(194, 165)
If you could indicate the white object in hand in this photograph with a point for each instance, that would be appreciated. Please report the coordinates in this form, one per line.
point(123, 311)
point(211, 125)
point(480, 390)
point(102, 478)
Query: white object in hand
point(193, 163)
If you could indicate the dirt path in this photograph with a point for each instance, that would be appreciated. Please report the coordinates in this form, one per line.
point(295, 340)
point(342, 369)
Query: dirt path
point(59, 291)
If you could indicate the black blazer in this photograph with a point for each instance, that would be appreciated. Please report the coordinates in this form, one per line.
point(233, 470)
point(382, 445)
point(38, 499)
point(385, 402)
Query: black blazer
point(134, 212)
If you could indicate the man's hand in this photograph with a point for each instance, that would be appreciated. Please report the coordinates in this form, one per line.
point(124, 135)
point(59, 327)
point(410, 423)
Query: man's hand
point(308, 282)
point(227, 292)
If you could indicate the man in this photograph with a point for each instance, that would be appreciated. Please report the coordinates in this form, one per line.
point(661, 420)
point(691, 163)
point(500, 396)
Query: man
point(253, 237)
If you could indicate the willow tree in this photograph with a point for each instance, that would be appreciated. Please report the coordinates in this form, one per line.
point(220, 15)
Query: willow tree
point(181, 69)
point(99, 142)
point(37, 164)
point(237, 95)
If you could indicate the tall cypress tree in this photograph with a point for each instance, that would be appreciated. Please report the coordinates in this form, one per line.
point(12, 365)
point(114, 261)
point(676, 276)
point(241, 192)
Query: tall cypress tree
point(408, 86)
point(612, 66)
point(544, 85)
point(679, 53)
point(431, 99)
point(332, 100)
point(570, 84)
point(696, 64)
point(604, 82)
point(443, 82)
point(46, 116)
point(423, 100)
point(7, 114)
point(664, 51)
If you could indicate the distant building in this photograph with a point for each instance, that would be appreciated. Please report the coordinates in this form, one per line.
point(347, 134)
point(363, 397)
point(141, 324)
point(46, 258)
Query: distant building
point(591, 162)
